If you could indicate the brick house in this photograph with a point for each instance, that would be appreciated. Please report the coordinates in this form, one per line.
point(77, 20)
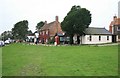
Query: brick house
point(92, 35)
point(114, 28)
point(49, 30)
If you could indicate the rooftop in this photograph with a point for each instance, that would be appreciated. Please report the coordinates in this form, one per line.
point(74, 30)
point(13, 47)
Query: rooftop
point(97, 31)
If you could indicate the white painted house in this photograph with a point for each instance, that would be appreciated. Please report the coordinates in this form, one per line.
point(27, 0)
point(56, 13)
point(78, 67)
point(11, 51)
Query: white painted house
point(95, 36)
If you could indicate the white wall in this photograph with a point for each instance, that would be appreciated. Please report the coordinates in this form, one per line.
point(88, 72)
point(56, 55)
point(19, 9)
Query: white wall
point(117, 39)
point(30, 37)
point(95, 39)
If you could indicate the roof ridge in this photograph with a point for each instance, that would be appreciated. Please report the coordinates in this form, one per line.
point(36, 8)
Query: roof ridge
point(51, 22)
point(97, 30)
point(97, 27)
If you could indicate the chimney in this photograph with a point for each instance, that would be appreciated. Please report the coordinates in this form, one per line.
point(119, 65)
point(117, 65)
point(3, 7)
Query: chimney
point(114, 18)
point(45, 22)
point(110, 28)
point(56, 18)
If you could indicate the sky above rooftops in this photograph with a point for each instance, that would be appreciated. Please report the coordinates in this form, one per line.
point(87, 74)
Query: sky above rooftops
point(13, 11)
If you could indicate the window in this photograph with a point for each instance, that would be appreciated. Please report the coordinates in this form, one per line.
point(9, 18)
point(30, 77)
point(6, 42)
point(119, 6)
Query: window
point(90, 38)
point(43, 32)
point(118, 36)
point(99, 38)
point(47, 32)
point(107, 37)
point(68, 39)
point(118, 28)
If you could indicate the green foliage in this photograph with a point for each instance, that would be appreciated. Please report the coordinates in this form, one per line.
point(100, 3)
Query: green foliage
point(76, 21)
point(35, 60)
point(20, 30)
point(39, 25)
point(0, 62)
point(6, 34)
point(29, 32)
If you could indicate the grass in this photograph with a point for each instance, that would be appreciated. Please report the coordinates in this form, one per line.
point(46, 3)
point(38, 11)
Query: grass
point(36, 60)
point(0, 62)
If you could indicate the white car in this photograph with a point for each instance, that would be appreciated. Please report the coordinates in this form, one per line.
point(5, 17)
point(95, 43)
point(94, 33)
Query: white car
point(7, 41)
point(2, 43)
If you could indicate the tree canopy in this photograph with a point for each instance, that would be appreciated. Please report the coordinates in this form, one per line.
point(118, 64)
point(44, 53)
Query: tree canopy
point(20, 30)
point(6, 34)
point(76, 21)
point(29, 32)
point(39, 25)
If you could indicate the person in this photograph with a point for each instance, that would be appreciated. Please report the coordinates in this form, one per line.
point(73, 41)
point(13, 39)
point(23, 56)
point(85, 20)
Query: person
point(35, 40)
point(57, 41)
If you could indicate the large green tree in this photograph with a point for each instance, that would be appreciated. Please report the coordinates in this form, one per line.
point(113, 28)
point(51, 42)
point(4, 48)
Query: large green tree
point(39, 25)
point(6, 34)
point(20, 30)
point(29, 32)
point(76, 21)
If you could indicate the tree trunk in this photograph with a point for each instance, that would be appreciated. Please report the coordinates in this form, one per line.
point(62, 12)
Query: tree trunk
point(78, 39)
point(81, 39)
point(71, 39)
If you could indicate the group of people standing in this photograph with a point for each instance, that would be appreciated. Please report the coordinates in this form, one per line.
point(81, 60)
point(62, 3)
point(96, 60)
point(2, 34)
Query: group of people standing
point(35, 39)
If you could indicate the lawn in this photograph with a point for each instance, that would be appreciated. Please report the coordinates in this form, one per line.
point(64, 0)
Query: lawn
point(0, 62)
point(36, 60)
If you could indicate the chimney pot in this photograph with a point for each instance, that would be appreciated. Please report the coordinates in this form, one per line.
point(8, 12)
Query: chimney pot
point(56, 18)
point(45, 22)
point(114, 18)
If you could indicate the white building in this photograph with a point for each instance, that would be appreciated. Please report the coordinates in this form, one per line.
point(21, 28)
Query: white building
point(96, 36)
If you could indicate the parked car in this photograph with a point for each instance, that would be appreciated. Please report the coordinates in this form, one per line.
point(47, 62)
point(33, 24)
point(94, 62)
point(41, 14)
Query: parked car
point(2, 43)
point(7, 41)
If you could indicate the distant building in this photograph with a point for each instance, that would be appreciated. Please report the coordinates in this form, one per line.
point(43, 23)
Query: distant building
point(30, 37)
point(49, 30)
point(114, 28)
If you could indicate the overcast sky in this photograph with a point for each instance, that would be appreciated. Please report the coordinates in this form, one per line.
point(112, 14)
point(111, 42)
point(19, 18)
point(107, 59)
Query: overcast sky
point(13, 11)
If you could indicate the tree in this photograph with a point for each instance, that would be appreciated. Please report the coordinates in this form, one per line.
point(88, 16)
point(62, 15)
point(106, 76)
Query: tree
point(20, 30)
point(6, 34)
point(76, 21)
point(39, 25)
point(29, 32)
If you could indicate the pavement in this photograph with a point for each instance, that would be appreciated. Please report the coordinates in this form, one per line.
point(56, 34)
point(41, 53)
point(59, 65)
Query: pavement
point(108, 44)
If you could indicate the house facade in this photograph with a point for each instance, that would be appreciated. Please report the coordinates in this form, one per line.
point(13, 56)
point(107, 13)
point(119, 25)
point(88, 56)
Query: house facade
point(91, 35)
point(96, 39)
point(49, 30)
point(114, 28)
point(96, 36)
